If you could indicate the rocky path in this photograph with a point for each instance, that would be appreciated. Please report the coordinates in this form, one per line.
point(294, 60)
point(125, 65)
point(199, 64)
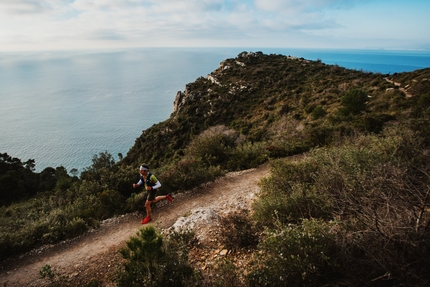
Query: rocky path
point(399, 85)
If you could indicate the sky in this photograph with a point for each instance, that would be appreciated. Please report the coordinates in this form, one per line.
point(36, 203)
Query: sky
point(40, 25)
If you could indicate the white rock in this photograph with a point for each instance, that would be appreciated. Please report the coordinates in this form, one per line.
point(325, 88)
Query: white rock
point(198, 217)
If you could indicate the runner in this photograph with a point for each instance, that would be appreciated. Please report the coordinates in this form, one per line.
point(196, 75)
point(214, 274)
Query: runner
point(151, 185)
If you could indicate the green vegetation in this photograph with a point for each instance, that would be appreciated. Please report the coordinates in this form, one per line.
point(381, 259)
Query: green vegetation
point(152, 262)
point(353, 102)
point(353, 210)
point(55, 279)
point(356, 214)
point(18, 181)
point(294, 255)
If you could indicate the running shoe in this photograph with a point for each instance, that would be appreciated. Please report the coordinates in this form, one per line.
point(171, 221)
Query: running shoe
point(169, 197)
point(146, 220)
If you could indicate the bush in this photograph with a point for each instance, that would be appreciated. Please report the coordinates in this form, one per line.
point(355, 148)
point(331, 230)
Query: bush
point(293, 255)
point(373, 123)
point(187, 174)
point(301, 203)
point(318, 112)
point(354, 102)
point(238, 231)
point(213, 146)
point(111, 203)
point(421, 106)
point(53, 277)
point(148, 263)
point(290, 194)
point(247, 155)
point(225, 274)
point(318, 136)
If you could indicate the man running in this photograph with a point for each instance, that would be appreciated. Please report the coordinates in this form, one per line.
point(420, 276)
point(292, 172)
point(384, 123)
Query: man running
point(151, 184)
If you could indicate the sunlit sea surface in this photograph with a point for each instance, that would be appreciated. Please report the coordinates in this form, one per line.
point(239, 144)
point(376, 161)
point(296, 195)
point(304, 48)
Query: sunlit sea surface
point(62, 108)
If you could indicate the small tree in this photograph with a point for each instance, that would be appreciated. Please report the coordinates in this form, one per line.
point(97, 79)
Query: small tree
point(354, 101)
point(64, 181)
point(144, 253)
point(148, 263)
point(102, 161)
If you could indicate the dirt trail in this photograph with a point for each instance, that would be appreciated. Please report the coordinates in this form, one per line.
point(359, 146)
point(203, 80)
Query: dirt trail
point(399, 85)
point(94, 255)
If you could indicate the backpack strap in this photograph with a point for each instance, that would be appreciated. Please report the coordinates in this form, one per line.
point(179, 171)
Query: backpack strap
point(148, 179)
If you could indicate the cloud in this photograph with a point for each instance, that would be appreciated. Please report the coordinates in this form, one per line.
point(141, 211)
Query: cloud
point(23, 6)
point(105, 5)
point(134, 19)
point(104, 23)
point(298, 6)
point(158, 7)
point(152, 20)
point(298, 14)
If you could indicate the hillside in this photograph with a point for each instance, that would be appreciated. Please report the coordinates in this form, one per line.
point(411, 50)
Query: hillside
point(279, 100)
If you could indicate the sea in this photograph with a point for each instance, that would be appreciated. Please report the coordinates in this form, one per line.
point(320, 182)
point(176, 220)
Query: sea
point(64, 108)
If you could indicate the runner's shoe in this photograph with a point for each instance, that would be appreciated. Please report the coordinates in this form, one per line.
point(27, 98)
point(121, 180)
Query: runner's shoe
point(169, 197)
point(146, 220)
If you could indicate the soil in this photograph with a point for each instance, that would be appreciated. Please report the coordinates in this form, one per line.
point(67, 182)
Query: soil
point(94, 256)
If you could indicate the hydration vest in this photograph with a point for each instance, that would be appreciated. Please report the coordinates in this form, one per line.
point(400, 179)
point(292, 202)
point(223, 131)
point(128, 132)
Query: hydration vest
point(148, 180)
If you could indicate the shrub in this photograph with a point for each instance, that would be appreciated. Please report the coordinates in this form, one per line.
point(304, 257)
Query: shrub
point(302, 203)
point(421, 106)
point(111, 203)
point(136, 201)
point(373, 123)
point(354, 101)
point(148, 263)
point(187, 174)
point(213, 146)
point(238, 231)
point(247, 155)
point(225, 274)
point(318, 112)
point(424, 100)
point(317, 136)
point(53, 277)
point(289, 194)
point(144, 256)
point(76, 226)
point(293, 255)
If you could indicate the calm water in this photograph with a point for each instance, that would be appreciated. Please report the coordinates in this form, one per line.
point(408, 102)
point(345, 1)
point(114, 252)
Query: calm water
point(61, 108)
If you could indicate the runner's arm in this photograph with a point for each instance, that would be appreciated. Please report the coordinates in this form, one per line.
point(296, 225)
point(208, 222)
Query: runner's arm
point(157, 185)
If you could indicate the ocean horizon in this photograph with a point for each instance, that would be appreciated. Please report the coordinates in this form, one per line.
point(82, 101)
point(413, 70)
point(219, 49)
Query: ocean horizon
point(62, 108)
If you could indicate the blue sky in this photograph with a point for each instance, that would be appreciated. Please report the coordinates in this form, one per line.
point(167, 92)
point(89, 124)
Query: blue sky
point(94, 24)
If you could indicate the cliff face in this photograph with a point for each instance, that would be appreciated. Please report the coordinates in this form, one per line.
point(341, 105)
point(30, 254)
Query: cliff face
point(214, 78)
point(182, 98)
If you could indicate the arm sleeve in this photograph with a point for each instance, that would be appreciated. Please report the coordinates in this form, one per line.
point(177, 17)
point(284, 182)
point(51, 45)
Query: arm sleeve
point(140, 182)
point(157, 185)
